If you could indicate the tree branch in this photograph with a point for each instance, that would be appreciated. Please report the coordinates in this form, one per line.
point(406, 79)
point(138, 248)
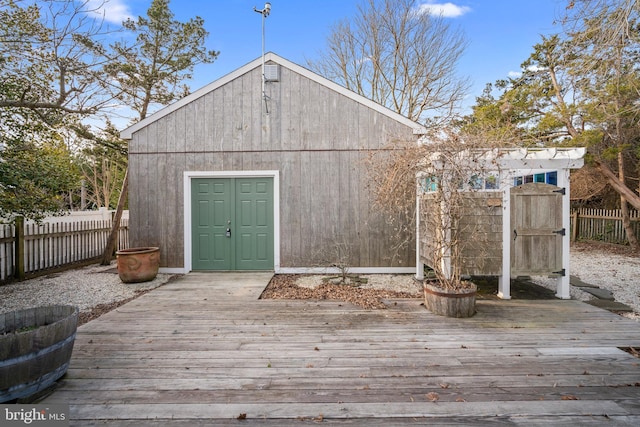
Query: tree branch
point(632, 198)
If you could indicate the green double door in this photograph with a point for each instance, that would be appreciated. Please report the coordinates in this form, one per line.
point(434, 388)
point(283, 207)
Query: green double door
point(232, 223)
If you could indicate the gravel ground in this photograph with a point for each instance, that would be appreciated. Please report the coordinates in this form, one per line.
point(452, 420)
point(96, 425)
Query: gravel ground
point(608, 267)
point(96, 289)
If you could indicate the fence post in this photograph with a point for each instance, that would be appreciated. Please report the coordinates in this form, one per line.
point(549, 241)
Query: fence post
point(574, 234)
point(116, 244)
point(18, 272)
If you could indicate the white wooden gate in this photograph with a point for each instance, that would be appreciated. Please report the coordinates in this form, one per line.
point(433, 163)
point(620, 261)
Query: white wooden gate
point(536, 221)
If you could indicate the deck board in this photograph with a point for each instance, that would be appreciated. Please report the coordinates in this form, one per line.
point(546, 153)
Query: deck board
point(203, 350)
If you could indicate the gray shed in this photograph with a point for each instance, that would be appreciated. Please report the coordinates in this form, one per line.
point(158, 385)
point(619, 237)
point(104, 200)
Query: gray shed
point(234, 178)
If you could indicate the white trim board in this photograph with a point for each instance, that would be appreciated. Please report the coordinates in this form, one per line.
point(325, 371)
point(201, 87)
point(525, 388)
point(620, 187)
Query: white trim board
point(172, 270)
point(318, 270)
point(190, 175)
point(356, 270)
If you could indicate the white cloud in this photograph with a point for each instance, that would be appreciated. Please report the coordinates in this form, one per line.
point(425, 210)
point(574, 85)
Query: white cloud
point(113, 11)
point(446, 10)
point(531, 69)
point(535, 68)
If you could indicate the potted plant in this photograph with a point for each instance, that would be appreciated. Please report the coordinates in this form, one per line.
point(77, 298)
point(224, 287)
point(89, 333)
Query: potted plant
point(449, 171)
point(457, 217)
point(442, 207)
point(137, 265)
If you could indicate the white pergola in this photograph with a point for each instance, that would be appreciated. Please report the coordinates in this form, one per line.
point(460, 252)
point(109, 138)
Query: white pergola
point(510, 164)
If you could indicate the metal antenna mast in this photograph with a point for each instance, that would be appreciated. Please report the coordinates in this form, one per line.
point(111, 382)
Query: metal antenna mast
point(264, 12)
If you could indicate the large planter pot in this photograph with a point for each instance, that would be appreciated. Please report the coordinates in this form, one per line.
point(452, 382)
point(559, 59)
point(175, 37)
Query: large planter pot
point(138, 264)
point(450, 303)
point(35, 349)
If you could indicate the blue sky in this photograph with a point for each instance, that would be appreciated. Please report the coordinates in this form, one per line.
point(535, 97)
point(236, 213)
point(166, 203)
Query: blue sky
point(501, 33)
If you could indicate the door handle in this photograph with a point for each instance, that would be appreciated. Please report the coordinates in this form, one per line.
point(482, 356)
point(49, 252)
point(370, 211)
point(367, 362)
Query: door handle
point(515, 234)
point(228, 232)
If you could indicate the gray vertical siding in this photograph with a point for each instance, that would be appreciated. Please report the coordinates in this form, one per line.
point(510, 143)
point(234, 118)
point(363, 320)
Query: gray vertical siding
point(316, 137)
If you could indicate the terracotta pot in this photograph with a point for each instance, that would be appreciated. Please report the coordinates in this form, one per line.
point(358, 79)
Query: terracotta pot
point(450, 303)
point(137, 265)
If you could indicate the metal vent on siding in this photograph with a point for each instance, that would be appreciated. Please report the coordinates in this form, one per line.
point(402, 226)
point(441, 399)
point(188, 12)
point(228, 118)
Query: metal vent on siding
point(272, 73)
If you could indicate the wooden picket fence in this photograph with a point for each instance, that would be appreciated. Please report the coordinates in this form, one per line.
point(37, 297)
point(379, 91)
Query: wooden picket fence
point(604, 225)
point(51, 246)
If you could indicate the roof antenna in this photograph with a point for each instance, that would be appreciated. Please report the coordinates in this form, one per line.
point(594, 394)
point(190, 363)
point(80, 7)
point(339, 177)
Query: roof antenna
point(264, 12)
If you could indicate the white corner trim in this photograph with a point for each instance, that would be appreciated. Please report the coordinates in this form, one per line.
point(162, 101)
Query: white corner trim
point(188, 176)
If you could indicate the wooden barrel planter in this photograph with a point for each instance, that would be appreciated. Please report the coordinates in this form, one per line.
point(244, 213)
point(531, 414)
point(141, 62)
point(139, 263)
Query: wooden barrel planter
point(450, 303)
point(137, 265)
point(35, 349)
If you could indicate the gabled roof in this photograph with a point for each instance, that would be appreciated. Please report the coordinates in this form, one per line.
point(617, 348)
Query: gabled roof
point(271, 57)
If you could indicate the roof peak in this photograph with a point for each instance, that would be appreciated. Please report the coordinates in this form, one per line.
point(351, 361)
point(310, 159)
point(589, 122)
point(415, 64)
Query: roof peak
point(270, 56)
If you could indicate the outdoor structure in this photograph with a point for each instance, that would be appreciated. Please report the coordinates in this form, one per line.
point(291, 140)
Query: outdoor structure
point(516, 215)
point(234, 177)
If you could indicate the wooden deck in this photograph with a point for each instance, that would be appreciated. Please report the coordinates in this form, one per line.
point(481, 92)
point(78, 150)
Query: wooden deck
point(203, 350)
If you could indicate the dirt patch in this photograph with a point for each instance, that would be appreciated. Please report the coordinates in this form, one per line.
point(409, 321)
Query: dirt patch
point(100, 309)
point(283, 286)
point(604, 248)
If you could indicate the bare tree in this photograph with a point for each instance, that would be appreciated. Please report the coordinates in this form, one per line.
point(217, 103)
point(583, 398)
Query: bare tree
point(398, 56)
point(609, 22)
point(45, 67)
point(49, 83)
point(103, 169)
point(454, 168)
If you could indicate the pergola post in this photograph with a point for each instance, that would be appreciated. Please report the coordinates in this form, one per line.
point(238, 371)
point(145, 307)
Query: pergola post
point(504, 281)
point(419, 263)
point(563, 282)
